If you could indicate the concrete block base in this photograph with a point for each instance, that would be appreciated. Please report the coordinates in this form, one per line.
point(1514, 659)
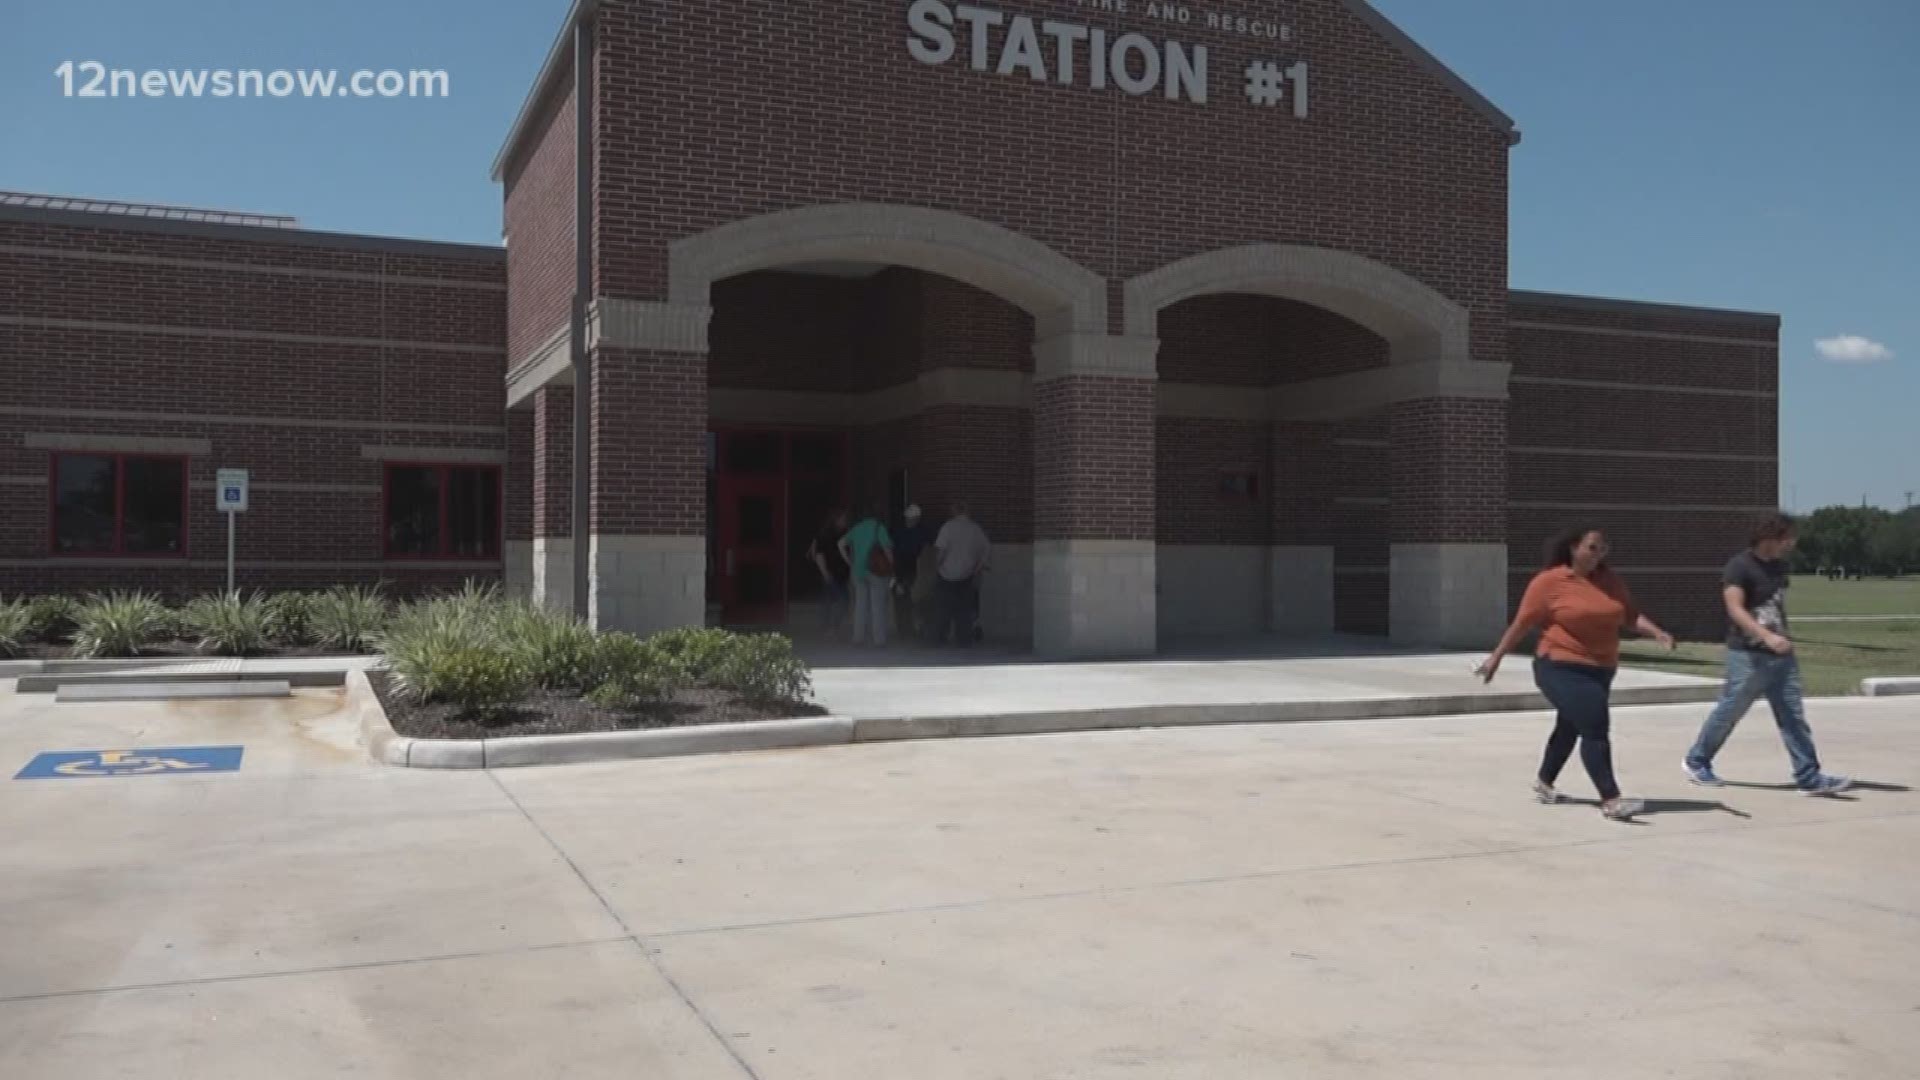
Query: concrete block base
point(1211, 590)
point(1451, 595)
point(645, 584)
point(518, 576)
point(1094, 598)
point(552, 571)
point(1300, 589)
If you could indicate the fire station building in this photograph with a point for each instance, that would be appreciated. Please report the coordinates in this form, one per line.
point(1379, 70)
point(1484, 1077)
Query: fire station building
point(1202, 308)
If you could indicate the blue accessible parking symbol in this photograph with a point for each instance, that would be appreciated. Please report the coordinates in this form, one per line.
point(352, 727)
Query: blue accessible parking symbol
point(177, 760)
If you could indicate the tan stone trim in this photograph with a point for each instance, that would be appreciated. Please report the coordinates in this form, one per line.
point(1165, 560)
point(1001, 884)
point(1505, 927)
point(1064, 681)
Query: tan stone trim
point(449, 455)
point(1061, 295)
point(943, 386)
point(1657, 335)
point(251, 268)
point(1198, 401)
point(247, 335)
point(115, 444)
point(1419, 323)
point(251, 421)
point(1102, 355)
point(1648, 455)
point(1661, 388)
point(646, 324)
point(1362, 392)
point(549, 364)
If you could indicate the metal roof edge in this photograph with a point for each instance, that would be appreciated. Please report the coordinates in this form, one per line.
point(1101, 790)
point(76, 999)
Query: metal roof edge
point(1385, 27)
point(263, 234)
point(542, 84)
point(1767, 319)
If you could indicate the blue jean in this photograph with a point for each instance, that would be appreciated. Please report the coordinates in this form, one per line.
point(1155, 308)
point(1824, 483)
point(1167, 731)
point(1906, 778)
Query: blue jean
point(1579, 695)
point(1751, 675)
point(835, 607)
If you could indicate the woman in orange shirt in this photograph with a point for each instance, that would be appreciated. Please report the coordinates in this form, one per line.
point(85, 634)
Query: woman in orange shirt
point(1580, 606)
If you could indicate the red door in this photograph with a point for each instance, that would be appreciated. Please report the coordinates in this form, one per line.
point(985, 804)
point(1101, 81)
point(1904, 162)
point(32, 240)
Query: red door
point(752, 554)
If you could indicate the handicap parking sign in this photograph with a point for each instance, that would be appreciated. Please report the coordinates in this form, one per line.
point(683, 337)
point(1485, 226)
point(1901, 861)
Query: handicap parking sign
point(175, 760)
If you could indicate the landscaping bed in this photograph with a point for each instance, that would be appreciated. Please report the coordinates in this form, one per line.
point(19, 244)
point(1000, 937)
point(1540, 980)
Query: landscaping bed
point(566, 712)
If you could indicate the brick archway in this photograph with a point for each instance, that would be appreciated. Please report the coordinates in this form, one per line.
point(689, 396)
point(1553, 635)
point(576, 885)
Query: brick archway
point(1419, 323)
point(1386, 488)
point(1061, 295)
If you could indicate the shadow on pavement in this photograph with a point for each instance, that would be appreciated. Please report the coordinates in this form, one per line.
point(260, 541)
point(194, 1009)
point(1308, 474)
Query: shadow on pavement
point(1858, 785)
point(1669, 806)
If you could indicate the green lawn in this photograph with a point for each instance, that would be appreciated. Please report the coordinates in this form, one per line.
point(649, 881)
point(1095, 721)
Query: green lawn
point(1834, 657)
point(1814, 595)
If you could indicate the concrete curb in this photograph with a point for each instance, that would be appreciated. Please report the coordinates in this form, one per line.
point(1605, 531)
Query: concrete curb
point(47, 683)
point(1889, 687)
point(887, 729)
point(389, 747)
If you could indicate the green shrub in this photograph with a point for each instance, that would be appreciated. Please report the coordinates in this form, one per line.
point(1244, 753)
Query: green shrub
point(763, 668)
point(701, 650)
point(347, 619)
point(479, 681)
point(419, 638)
point(119, 624)
point(629, 673)
point(50, 618)
point(230, 624)
point(557, 650)
point(16, 626)
point(290, 618)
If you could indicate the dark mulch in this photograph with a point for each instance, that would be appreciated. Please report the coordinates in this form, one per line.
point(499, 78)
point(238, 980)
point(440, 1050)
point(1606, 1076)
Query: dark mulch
point(558, 712)
point(41, 650)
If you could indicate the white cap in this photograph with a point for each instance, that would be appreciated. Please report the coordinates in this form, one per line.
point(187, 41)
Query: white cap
point(913, 511)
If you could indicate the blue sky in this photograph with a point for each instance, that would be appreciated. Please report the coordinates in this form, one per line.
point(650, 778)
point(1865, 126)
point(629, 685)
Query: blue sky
point(1754, 154)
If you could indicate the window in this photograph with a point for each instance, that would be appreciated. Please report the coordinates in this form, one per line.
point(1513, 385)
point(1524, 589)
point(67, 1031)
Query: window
point(443, 512)
point(119, 504)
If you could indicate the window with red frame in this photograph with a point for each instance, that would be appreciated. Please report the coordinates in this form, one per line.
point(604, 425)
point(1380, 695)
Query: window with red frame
point(443, 512)
point(119, 504)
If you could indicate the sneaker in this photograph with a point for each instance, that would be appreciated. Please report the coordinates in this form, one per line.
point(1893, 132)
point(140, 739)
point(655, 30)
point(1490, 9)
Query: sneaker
point(1827, 785)
point(1621, 809)
point(1702, 775)
point(1545, 793)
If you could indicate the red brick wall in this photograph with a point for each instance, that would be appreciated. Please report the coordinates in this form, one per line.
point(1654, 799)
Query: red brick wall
point(553, 462)
point(539, 219)
point(1094, 458)
point(1666, 425)
point(125, 329)
point(1391, 165)
point(1191, 508)
point(649, 439)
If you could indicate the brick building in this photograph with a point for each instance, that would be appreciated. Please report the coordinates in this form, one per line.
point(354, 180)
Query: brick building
point(1203, 308)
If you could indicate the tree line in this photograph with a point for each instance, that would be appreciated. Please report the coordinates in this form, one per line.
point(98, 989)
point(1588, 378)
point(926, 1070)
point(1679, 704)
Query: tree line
point(1858, 541)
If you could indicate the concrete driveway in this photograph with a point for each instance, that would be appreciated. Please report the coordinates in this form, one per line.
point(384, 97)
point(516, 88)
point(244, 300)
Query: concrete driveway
point(1368, 899)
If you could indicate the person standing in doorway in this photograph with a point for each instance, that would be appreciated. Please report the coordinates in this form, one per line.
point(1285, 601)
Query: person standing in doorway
point(1761, 661)
point(825, 553)
point(912, 539)
point(1580, 606)
point(868, 549)
point(961, 552)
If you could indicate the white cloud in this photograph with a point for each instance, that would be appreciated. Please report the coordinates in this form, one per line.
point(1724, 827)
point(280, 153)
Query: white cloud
point(1852, 349)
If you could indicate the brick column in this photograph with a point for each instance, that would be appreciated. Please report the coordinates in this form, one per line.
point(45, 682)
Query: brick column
point(1306, 479)
point(518, 504)
point(648, 515)
point(1093, 505)
point(1449, 521)
point(552, 465)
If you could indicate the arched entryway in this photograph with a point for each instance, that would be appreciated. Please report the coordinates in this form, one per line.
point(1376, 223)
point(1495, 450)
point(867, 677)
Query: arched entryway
point(942, 355)
point(1330, 456)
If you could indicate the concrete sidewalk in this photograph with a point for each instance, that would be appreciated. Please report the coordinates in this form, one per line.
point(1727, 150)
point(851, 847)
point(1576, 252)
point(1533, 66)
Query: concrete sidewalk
point(1353, 901)
point(1226, 678)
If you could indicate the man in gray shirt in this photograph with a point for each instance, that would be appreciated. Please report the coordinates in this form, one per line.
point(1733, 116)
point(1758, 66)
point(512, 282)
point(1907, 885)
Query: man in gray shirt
point(960, 553)
point(1761, 662)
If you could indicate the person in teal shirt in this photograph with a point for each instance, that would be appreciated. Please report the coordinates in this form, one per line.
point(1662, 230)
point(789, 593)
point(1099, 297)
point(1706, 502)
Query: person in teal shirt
point(870, 590)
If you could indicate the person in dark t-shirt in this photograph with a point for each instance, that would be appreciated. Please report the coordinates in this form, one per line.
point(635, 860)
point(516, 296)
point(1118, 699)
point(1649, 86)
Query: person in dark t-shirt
point(1761, 661)
point(825, 554)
